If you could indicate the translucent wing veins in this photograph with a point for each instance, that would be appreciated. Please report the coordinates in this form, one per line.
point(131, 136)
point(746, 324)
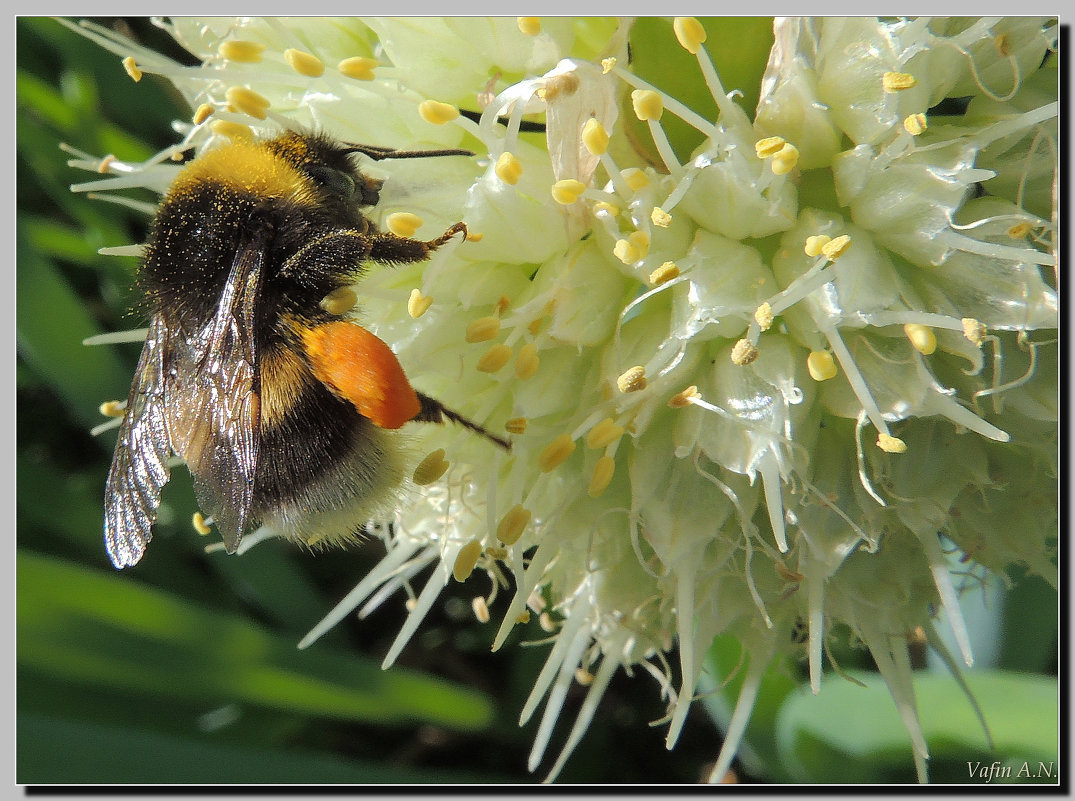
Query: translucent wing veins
point(213, 403)
point(139, 467)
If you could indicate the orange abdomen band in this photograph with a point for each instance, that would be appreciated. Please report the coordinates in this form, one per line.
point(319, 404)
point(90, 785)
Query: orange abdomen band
point(358, 366)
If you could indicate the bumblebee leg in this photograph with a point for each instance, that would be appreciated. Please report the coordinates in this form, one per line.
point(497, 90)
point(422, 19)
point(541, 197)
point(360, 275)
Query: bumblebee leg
point(329, 251)
point(458, 228)
point(392, 249)
point(433, 411)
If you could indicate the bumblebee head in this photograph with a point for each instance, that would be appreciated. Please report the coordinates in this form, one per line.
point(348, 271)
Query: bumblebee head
point(328, 165)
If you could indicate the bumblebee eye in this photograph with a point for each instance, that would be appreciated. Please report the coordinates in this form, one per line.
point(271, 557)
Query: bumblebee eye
point(336, 182)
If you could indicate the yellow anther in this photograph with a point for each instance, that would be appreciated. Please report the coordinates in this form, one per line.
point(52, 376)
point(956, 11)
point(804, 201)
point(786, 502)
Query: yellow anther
point(508, 168)
point(603, 434)
point(431, 468)
point(403, 223)
point(531, 26)
point(1003, 45)
point(513, 524)
point(891, 444)
point(602, 476)
point(922, 338)
point(201, 114)
point(516, 425)
point(684, 397)
point(647, 104)
point(304, 63)
point(567, 191)
point(915, 124)
point(660, 217)
point(632, 380)
point(247, 101)
point(526, 364)
point(105, 164)
point(607, 208)
point(893, 82)
point(640, 239)
point(595, 137)
point(744, 352)
point(466, 560)
point(418, 304)
point(199, 524)
point(785, 159)
point(523, 617)
point(339, 301)
point(475, 236)
point(493, 359)
point(821, 365)
point(769, 146)
point(359, 68)
point(481, 609)
point(496, 552)
point(177, 155)
point(689, 32)
point(132, 69)
point(607, 64)
point(837, 247)
point(235, 131)
point(635, 178)
point(502, 305)
point(555, 453)
point(814, 244)
point(584, 677)
point(1020, 230)
point(437, 113)
point(764, 316)
point(663, 274)
point(483, 329)
point(113, 408)
point(974, 330)
point(625, 251)
point(240, 50)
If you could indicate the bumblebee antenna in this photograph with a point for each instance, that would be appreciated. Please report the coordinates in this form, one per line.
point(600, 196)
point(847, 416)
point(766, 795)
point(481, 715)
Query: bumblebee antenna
point(377, 153)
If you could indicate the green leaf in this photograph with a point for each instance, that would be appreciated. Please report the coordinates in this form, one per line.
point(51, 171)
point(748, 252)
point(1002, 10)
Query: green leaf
point(109, 631)
point(758, 750)
point(739, 48)
point(51, 322)
point(1029, 640)
point(67, 505)
point(100, 753)
point(854, 734)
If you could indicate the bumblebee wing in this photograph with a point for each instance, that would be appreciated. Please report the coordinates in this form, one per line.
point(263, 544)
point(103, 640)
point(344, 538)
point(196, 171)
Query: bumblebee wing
point(140, 465)
point(214, 405)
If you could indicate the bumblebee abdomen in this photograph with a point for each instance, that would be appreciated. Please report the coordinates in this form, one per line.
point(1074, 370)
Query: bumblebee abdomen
point(320, 458)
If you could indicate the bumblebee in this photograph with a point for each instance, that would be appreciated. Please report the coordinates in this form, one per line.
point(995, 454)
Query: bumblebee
point(282, 407)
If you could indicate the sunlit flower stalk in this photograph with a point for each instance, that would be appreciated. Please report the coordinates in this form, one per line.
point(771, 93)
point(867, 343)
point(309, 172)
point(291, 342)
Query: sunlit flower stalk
point(771, 383)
